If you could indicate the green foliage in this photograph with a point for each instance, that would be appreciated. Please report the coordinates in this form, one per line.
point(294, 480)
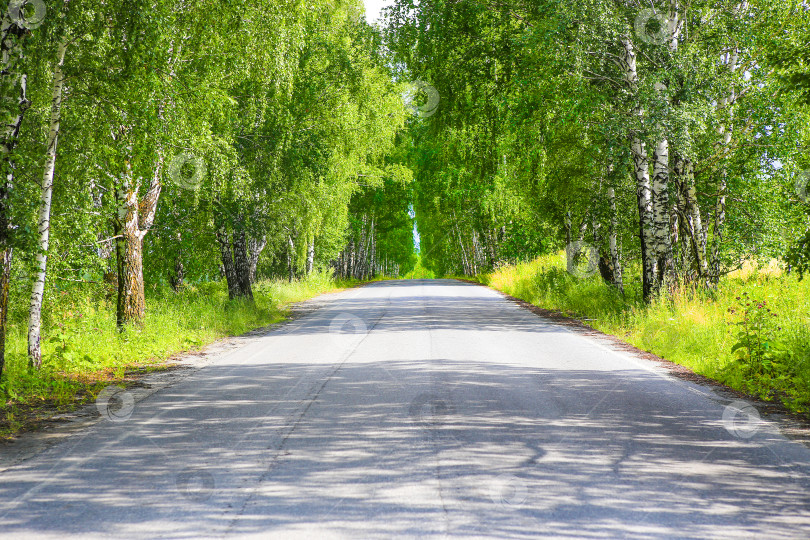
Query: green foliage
point(764, 362)
point(419, 271)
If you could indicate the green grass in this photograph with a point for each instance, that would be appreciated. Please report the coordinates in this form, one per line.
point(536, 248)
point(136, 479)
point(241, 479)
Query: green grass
point(83, 351)
point(420, 272)
point(695, 328)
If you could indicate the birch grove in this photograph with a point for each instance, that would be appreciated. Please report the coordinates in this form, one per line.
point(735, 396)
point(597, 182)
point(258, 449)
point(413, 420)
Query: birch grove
point(152, 148)
point(173, 167)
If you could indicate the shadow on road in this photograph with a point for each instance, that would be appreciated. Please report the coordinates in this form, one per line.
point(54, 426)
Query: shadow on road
point(415, 447)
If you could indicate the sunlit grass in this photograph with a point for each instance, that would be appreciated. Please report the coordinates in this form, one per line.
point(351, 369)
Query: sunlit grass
point(693, 327)
point(83, 351)
point(420, 272)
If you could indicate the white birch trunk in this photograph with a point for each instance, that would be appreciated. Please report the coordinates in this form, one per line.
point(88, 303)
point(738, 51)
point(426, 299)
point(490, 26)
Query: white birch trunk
point(310, 257)
point(615, 251)
point(661, 218)
point(641, 170)
point(38, 290)
point(15, 81)
point(724, 133)
point(662, 246)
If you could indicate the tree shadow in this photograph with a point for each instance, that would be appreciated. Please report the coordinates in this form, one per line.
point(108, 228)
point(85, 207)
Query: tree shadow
point(346, 441)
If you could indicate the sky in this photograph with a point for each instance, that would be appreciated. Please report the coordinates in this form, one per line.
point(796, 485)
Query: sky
point(373, 8)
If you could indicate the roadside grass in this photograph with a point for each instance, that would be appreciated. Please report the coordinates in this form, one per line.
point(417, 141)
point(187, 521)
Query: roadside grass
point(419, 271)
point(693, 327)
point(83, 352)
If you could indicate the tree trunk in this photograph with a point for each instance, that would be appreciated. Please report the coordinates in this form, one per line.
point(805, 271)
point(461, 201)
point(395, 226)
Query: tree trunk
point(568, 224)
point(719, 222)
point(731, 59)
point(291, 257)
point(131, 303)
point(177, 276)
point(132, 223)
point(242, 264)
point(641, 171)
point(349, 259)
point(5, 283)
point(255, 247)
point(310, 257)
point(615, 249)
point(661, 215)
point(228, 266)
point(44, 229)
point(692, 220)
point(11, 79)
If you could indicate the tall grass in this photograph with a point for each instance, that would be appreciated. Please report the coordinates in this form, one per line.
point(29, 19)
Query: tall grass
point(83, 351)
point(692, 327)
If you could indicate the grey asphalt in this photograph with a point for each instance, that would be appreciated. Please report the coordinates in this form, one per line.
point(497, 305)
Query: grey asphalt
point(418, 409)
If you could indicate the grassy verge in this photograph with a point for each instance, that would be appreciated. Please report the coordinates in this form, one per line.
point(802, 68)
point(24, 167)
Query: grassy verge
point(752, 333)
point(83, 352)
point(419, 272)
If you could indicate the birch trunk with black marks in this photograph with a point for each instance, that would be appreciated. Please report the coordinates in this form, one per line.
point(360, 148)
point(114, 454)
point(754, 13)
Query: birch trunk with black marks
point(615, 249)
point(291, 258)
point(350, 258)
point(641, 172)
point(310, 257)
point(662, 245)
point(228, 266)
point(372, 261)
point(13, 93)
point(690, 215)
point(255, 247)
point(242, 264)
point(44, 226)
point(177, 276)
point(724, 133)
point(661, 212)
point(233, 249)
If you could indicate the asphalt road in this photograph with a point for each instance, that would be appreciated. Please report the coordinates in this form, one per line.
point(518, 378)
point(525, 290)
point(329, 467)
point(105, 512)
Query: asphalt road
point(418, 409)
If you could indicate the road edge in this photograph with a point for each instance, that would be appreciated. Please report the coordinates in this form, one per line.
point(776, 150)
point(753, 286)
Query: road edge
point(792, 426)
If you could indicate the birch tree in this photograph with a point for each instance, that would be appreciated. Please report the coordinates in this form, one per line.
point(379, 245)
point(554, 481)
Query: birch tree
point(15, 103)
point(44, 222)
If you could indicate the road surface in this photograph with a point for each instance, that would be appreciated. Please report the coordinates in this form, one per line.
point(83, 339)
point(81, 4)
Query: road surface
point(418, 409)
